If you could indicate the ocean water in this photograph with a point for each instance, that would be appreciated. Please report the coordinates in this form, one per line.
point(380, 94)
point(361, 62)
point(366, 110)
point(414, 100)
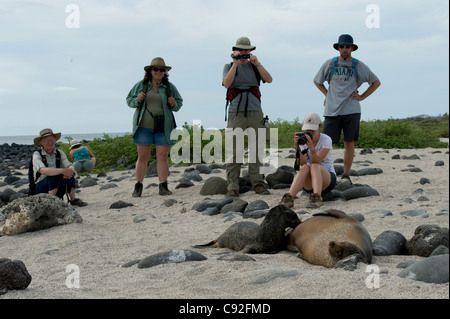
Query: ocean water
point(28, 139)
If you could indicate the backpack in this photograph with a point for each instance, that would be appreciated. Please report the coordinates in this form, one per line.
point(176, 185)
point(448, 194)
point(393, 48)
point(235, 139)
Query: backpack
point(334, 66)
point(169, 94)
point(32, 178)
point(233, 92)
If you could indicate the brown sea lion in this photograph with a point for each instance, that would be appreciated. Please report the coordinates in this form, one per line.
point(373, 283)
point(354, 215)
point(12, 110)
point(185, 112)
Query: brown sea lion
point(249, 237)
point(328, 237)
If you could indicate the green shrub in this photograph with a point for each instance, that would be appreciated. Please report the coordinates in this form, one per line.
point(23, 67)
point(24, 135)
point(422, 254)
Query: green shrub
point(420, 132)
point(110, 153)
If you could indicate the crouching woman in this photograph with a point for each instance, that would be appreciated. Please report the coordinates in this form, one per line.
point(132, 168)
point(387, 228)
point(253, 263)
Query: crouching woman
point(316, 175)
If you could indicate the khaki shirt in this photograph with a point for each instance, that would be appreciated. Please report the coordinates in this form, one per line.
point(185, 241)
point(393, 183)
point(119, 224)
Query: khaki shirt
point(51, 161)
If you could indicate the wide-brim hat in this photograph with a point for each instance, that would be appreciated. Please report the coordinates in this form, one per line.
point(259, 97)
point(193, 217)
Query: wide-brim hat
point(243, 43)
point(44, 133)
point(345, 39)
point(158, 62)
point(74, 143)
point(311, 122)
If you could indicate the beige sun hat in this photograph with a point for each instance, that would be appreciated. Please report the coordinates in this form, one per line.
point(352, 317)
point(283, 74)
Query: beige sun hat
point(159, 62)
point(243, 43)
point(74, 143)
point(311, 122)
point(45, 132)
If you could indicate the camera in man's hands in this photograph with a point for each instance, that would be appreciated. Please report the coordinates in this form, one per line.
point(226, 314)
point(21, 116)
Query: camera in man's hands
point(302, 137)
point(240, 56)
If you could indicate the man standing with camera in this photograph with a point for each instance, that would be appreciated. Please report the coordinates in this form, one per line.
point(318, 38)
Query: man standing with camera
point(344, 75)
point(242, 78)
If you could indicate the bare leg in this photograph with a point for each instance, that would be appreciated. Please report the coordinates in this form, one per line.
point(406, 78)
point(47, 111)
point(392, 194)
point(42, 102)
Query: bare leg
point(348, 156)
point(300, 179)
point(320, 177)
point(144, 152)
point(162, 160)
point(316, 178)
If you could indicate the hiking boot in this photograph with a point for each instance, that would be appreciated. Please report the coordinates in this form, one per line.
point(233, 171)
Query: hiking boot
point(137, 189)
point(232, 193)
point(163, 190)
point(346, 178)
point(287, 200)
point(78, 202)
point(261, 190)
point(315, 201)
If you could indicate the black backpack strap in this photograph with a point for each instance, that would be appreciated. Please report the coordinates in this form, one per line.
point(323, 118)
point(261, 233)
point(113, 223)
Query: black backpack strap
point(144, 90)
point(258, 78)
point(258, 75)
point(44, 160)
point(169, 94)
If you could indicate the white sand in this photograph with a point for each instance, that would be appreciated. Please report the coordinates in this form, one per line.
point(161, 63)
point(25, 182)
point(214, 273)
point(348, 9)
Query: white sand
point(108, 238)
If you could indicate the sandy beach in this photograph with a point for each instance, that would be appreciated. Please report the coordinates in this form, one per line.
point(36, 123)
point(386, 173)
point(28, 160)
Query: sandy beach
point(108, 238)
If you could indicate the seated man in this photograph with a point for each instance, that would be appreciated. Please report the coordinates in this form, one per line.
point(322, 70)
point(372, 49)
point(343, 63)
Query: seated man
point(56, 175)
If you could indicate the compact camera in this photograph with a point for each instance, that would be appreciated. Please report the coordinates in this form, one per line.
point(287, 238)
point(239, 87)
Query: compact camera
point(302, 137)
point(240, 56)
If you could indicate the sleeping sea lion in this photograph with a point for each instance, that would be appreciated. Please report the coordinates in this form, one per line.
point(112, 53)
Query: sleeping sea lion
point(249, 237)
point(328, 237)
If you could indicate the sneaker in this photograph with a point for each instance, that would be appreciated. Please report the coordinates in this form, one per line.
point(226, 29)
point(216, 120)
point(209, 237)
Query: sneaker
point(137, 189)
point(260, 189)
point(315, 201)
point(163, 189)
point(287, 200)
point(232, 193)
point(78, 202)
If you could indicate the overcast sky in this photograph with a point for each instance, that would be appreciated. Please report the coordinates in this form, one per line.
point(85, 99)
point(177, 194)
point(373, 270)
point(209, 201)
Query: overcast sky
point(74, 77)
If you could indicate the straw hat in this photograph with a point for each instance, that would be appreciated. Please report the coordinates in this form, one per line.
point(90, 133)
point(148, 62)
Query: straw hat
point(243, 43)
point(159, 62)
point(44, 133)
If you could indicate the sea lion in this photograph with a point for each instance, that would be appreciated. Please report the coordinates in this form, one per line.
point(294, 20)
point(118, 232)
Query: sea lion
point(249, 237)
point(328, 237)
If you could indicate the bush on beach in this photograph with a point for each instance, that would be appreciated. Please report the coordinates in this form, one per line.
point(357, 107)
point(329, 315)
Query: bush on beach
point(419, 132)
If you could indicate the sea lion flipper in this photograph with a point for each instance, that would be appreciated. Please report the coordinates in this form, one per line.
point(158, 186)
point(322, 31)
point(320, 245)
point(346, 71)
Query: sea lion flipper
point(211, 243)
point(332, 213)
point(340, 250)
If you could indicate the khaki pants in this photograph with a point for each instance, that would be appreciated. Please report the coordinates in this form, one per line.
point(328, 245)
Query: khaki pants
point(254, 120)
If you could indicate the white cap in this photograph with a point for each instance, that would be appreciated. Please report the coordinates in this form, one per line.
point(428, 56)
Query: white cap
point(311, 122)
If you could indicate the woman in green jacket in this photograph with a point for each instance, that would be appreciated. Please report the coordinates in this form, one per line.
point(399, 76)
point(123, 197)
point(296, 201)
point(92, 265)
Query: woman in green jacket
point(153, 121)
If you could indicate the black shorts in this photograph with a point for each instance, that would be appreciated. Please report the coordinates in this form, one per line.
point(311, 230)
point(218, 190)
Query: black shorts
point(349, 124)
point(330, 187)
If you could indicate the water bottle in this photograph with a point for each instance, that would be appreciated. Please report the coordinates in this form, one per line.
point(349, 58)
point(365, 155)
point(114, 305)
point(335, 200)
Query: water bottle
point(267, 126)
point(266, 121)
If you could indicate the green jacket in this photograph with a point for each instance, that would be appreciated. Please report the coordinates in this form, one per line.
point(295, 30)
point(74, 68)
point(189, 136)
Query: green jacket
point(169, 121)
